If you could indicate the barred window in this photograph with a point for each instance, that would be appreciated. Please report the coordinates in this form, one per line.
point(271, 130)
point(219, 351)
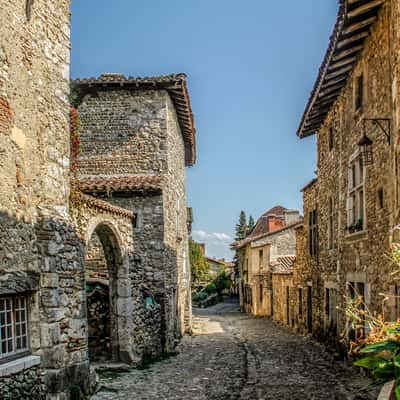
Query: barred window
point(13, 326)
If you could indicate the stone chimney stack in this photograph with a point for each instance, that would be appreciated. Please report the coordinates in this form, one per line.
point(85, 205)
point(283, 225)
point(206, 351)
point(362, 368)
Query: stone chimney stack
point(291, 216)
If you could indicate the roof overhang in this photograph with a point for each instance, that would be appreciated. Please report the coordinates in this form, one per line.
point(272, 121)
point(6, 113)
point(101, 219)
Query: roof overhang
point(353, 25)
point(174, 84)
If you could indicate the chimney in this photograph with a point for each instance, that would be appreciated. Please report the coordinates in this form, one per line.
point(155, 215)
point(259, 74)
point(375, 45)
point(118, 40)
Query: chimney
point(275, 223)
point(291, 216)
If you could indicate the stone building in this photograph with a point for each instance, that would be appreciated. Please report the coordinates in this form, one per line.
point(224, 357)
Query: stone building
point(351, 208)
point(62, 255)
point(270, 244)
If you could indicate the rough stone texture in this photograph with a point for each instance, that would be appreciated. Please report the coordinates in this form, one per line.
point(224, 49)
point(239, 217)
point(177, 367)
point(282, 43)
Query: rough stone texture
point(256, 273)
point(29, 384)
point(36, 234)
point(236, 356)
point(359, 256)
point(130, 132)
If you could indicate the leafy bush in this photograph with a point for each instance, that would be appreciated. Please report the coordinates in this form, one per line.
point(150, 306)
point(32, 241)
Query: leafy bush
point(200, 296)
point(210, 288)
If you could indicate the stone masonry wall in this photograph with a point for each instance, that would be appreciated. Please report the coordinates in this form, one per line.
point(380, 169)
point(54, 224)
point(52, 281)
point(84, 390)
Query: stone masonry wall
point(123, 132)
point(36, 234)
point(358, 257)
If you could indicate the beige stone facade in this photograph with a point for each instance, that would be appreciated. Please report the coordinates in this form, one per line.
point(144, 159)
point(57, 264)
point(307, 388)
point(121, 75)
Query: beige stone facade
point(268, 249)
point(93, 259)
point(355, 201)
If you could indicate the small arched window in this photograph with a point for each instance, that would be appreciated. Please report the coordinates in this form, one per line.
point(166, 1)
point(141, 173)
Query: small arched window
point(28, 9)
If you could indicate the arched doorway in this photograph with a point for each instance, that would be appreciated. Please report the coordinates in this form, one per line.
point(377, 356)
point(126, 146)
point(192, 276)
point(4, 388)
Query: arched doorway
point(101, 264)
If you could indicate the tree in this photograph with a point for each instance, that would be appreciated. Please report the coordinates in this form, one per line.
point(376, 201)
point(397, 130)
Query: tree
point(240, 230)
point(198, 263)
point(251, 223)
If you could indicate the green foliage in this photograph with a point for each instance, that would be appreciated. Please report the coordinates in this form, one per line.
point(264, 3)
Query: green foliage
point(198, 264)
point(251, 223)
point(222, 281)
point(240, 230)
point(200, 296)
point(210, 288)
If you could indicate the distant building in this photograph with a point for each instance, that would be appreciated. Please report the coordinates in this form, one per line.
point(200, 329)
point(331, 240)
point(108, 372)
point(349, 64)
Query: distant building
point(268, 248)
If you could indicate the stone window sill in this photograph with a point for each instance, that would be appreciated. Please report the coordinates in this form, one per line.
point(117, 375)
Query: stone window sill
point(357, 235)
point(16, 366)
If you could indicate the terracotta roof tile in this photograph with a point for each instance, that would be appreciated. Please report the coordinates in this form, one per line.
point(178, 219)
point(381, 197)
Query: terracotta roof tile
point(174, 84)
point(119, 183)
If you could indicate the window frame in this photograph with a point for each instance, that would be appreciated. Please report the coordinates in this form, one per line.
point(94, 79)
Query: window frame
point(313, 232)
point(356, 211)
point(17, 321)
point(359, 92)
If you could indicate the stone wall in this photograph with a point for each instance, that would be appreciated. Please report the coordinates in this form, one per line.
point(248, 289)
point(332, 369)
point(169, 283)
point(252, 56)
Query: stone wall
point(282, 283)
point(37, 237)
point(123, 132)
point(356, 256)
point(29, 384)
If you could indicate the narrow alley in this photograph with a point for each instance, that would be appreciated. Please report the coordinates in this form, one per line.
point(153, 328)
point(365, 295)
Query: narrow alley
point(237, 356)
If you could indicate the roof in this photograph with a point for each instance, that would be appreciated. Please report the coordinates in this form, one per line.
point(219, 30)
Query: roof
point(283, 265)
point(129, 183)
point(174, 84)
point(93, 202)
point(250, 239)
point(261, 225)
point(309, 184)
point(354, 20)
point(220, 262)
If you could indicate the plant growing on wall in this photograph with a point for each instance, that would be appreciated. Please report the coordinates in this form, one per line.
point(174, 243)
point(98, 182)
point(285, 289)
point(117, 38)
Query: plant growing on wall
point(379, 352)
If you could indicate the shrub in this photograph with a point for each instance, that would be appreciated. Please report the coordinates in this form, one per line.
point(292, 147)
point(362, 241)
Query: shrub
point(211, 288)
point(200, 296)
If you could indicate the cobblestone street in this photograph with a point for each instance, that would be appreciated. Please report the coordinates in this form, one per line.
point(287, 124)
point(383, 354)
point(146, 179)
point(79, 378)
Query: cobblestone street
point(236, 356)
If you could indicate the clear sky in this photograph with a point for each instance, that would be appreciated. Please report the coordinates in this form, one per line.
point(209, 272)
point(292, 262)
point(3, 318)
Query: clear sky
point(251, 66)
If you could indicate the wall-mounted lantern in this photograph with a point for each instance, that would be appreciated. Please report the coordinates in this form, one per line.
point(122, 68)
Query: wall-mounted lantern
point(366, 143)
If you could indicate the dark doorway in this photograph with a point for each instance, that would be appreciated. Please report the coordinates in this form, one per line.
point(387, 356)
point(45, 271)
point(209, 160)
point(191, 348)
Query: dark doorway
point(309, 309)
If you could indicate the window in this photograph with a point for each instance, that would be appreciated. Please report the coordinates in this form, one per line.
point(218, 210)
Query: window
point(28, 9)
point(331, 138)
point(13, 326)
point(313, 232)
point(330, 310)
point(300, 303)
point(331, 224)
point(260, 256)
point(381, 200)
point(355, 198)
point(359, 92)
point(261, 293)
point(357, 290)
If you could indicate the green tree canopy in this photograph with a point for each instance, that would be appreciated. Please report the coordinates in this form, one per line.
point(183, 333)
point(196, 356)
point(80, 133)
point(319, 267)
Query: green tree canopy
point(198, 263)
point(251, 223)
point(240, 230)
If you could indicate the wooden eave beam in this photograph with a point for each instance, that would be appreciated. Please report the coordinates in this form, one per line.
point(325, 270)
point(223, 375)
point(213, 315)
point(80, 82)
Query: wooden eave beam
point(364, 8)
point(339, 72)
point(330, 89)
point(359, 25)
point(345, 53)
point(334, 81)
point(352, 39)
point(344, 62)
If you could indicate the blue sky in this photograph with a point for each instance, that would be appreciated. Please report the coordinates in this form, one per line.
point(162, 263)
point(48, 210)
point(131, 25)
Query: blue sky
point(250, 65)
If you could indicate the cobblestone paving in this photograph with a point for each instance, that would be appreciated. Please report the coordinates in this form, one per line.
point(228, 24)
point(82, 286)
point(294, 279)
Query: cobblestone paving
point(236, 356)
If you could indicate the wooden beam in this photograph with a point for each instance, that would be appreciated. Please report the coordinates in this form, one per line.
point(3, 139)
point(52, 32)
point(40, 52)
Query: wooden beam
point(352, 39)
point(344, 53)
point(339, 72)
point(346, 61)
point(334, 81)
point(335, 88)
point(359, 25)
point(365, 8)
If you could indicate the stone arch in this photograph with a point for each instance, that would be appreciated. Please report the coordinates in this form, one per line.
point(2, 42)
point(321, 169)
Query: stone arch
point(102, 289)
